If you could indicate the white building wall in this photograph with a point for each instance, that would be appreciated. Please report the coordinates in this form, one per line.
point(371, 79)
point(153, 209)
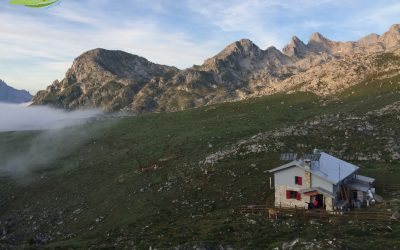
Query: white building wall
point(286, 177)
point(317, 181)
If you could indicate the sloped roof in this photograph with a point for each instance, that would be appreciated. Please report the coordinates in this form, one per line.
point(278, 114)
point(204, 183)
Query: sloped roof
point(365, 178)
point(287, 165)
point(355, 184)
point(360, 182)
point(328, 167)
point(332, 169)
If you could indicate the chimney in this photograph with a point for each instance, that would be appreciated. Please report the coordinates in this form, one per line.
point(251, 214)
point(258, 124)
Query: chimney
point(307, 164)
point(307, 173)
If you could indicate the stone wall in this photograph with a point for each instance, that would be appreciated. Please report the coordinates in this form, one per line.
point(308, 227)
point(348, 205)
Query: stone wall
point(328, 203)
point(307, 179)
point(282, 201)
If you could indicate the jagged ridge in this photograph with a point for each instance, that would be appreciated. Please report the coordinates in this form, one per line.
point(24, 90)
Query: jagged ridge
point(116, 80)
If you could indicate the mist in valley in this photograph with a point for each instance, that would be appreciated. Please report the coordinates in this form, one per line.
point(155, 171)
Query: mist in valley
point(32, 138)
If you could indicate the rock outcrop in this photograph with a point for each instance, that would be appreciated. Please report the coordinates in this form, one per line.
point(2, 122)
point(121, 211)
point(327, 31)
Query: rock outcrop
point(102, 78)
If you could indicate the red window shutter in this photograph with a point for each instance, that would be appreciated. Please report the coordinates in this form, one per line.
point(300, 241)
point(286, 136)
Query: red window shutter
point(298, 196)
point(287, 194)
point(300, 181)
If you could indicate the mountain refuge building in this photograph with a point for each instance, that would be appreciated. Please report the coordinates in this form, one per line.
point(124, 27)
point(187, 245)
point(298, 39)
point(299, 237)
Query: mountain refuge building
point(321, 181)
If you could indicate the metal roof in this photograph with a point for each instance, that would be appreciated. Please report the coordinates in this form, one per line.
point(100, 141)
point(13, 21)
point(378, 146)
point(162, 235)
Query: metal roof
point(358, 185)
point(362, 183)
point(365, 178)
point(327, 167)
point(287, 165)
point(332, 169)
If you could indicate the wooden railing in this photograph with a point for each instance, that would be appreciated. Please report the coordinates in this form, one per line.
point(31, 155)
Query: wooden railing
point(281, 212)
point(252, 209)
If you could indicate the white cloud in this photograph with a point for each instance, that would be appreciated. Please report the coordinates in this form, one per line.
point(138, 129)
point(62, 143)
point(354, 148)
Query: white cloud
point(258, 19)
point(379, 17)
point(37, 46)
point(52, 44)
point(247, 17)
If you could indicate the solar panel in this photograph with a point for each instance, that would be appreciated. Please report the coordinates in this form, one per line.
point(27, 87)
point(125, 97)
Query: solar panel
point(307, 156)
point(312, 157)
point(288, 156)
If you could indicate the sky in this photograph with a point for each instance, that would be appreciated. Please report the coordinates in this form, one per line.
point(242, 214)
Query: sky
point(37, 46)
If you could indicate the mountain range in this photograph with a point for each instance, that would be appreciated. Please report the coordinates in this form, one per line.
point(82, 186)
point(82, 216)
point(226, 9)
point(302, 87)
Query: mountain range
point(116, 80)
point(10, 95)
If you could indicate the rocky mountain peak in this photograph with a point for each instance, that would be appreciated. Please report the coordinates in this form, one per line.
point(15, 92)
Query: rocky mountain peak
point(273, 49)
point(233, 54)
point(296, 47)
point(368, 39)
point(391, 38)
point(245, 43)
point(93, 53)
point(395, 28)
point(317, 37)
point(243, 46)
point(319, 43)
point(295, 40)
point(105, 58)
point(99, 56)
point(117, 63)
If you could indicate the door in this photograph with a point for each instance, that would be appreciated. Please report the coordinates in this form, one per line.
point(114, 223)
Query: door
point(320, 199)
point(317, 201)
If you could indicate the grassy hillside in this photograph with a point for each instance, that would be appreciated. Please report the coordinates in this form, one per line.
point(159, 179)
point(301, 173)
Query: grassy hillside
point(138, 182)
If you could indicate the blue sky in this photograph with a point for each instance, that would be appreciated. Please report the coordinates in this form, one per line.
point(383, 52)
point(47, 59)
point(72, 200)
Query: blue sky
point(37, 46)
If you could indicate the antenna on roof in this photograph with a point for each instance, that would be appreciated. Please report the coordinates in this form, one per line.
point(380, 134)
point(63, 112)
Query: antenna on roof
point(288, 157)
point(316, 157)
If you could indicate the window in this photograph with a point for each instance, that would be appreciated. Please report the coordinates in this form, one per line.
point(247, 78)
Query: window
point(298, 180)
point(293, 195)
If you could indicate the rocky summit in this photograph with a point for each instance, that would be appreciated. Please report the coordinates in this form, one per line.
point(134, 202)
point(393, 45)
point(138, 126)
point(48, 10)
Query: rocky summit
point(116, 80)
point(10, 95)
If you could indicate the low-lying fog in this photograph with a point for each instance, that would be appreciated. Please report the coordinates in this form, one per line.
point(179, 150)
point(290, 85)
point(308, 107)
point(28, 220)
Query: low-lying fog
point(24, 117)
point(55, 137)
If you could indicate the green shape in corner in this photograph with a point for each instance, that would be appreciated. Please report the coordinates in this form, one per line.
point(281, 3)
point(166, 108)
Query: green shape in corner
point(34, 3)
